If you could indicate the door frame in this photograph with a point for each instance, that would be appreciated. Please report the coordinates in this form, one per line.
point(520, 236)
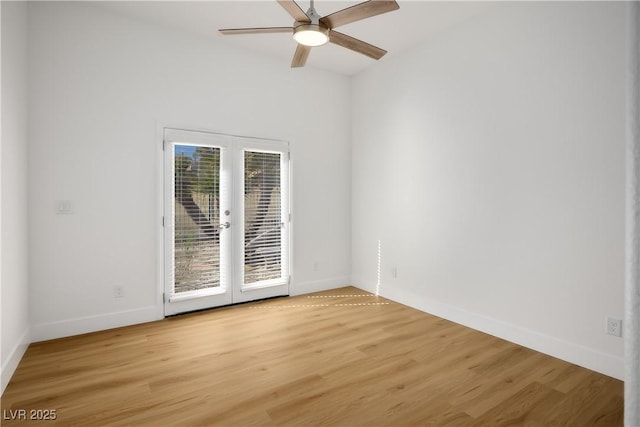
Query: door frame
point(234, 173)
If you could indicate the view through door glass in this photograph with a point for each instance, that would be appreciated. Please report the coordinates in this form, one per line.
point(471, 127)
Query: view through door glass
point(196, 218)
point(263, 220)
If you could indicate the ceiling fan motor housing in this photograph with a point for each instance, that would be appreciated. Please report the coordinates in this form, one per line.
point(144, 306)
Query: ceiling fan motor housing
point(311, 34)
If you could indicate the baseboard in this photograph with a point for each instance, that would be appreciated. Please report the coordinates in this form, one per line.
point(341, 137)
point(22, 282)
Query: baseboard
point(577, 354)
point(83, 325)
point(300, 288)
point(10, 365)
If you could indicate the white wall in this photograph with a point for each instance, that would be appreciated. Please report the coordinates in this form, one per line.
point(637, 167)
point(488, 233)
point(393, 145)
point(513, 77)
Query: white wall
point(632, 229)
point(14, 253)
point(489, 163)
point(101, 85)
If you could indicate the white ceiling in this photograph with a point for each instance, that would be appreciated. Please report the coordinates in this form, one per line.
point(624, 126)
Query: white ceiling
point(395, 31)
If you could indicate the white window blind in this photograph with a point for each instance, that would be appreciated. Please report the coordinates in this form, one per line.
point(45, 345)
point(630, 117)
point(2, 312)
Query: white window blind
point(196, 216)
point(264, 223)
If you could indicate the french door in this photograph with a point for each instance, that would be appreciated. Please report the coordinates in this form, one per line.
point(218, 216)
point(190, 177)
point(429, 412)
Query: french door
point(226, 220)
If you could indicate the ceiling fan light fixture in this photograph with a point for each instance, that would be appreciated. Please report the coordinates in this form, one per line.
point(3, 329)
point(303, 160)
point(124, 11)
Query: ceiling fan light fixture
point(311, 34)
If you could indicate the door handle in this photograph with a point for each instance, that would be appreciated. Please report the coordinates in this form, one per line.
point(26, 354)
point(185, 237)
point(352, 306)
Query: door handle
point(225, 225)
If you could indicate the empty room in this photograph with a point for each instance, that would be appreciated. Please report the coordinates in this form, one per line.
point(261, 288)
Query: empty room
point(329, 213)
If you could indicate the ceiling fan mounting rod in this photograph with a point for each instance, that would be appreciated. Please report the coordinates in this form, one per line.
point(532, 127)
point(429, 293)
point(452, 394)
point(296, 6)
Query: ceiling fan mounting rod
point(312, 14)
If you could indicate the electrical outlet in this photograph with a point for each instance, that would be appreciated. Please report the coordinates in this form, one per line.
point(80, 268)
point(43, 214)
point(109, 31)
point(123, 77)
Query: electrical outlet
point(614, 326)
point(118, 292)
point(316, 265)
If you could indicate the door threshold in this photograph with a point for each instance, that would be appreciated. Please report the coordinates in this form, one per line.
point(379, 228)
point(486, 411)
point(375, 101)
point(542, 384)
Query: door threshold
point(225, 306)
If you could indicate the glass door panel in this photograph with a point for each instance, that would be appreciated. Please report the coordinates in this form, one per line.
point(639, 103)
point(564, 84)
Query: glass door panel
point(262, 217)
point(265, 224)
point(196, 218)
point(196, 238)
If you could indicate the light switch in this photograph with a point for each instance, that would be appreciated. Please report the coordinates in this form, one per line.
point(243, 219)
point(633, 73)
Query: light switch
point(64, 207)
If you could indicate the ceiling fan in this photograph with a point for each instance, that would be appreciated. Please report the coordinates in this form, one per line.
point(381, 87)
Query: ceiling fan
point(309, 29)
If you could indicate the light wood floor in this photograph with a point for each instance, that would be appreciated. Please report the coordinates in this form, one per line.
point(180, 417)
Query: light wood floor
point(338, 358)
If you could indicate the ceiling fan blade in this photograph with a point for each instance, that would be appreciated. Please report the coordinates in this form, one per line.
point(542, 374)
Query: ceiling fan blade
point(356, 45)
point(294, 10)
point(300, 56)
point(359, 11)
point(266, 30)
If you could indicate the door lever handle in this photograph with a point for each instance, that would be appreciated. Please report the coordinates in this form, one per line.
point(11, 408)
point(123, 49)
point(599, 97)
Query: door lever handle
point(225, 225)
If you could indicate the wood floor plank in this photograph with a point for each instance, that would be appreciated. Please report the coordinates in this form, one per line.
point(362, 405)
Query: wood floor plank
point(337, 358)
point(516, 409)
